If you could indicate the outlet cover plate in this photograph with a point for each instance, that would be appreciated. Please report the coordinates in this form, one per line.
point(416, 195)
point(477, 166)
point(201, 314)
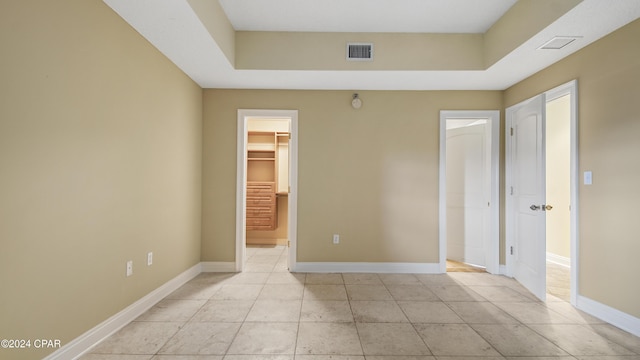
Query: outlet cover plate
point(129, 268)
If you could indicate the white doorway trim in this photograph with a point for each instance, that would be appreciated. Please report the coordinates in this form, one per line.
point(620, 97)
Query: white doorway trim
point(569, 88)
point(493, 118)
point(241, 181)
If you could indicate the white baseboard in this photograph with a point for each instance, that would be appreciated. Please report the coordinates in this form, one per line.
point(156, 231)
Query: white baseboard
point(559, 260)
point(85, 342)
point(362, 267)
point(503, 270)
point(218, 266)
point(613, 316)
point(89, 339)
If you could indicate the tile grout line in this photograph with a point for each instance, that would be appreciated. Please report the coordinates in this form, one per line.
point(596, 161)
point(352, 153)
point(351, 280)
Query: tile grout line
point(353, 316)
point(295, 344)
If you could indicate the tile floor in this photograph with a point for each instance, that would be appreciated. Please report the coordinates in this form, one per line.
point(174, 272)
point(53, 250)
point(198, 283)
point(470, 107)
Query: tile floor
point(558, 280)
point(268, 313)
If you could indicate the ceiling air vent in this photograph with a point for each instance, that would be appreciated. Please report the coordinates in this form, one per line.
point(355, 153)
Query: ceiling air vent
point(558, 42)
point(360, 51)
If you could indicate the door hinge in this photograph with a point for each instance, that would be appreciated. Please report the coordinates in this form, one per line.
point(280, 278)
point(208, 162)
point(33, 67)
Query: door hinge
point(289, 136)
point(511, 190)
point(511, 250)
point(511, 131)
point(288, 243)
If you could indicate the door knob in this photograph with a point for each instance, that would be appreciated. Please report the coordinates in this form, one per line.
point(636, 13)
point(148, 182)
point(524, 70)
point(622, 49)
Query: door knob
point(548, 207)
point(534, 207)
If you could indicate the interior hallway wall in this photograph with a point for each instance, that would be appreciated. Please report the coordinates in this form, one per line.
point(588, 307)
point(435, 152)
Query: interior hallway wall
point(558, 161)
point(608, 73)
point(100, 160)
point(370, 175)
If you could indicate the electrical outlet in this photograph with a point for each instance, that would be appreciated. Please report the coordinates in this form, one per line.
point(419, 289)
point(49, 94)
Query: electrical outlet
point(336, 238)
point(129, 268)
point(149, 258)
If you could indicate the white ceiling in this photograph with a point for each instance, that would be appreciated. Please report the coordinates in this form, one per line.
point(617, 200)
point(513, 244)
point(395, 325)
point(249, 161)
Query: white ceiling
point(411, 16)
point(173, 28)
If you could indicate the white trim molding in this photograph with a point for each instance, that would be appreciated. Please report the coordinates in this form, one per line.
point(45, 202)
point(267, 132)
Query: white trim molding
point(218, 266)
point(559, 260)
point(613, 316)
point(503, 270)
point(367, 267)
point(85, 342)
point(571, 88)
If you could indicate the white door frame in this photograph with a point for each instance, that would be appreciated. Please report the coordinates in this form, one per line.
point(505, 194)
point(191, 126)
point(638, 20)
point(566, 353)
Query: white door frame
point(570, 88)
point(241, 181)
point(493, 118)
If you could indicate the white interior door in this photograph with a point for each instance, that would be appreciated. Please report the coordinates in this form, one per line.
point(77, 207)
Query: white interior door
point(526, 171)
point(490, 178)
point(467, 193)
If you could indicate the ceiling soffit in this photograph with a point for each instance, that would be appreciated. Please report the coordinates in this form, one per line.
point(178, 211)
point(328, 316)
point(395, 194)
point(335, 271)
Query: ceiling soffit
point(292, 50)
point(199, 38)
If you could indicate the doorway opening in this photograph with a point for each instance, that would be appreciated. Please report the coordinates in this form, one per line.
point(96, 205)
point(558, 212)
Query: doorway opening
point(267, 185)
point(469, 191)
point(558, 194)
point(541, 193)
point(266, 198)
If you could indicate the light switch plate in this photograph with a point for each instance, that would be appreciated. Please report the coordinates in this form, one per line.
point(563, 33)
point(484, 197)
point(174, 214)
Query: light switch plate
point(588, 178)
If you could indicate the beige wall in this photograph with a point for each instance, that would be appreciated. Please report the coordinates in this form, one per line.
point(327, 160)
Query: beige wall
point(100, 160)
point(104, 146)
point(327, 51)
point(370, 175)
point(608, 74)
point(558, 166)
